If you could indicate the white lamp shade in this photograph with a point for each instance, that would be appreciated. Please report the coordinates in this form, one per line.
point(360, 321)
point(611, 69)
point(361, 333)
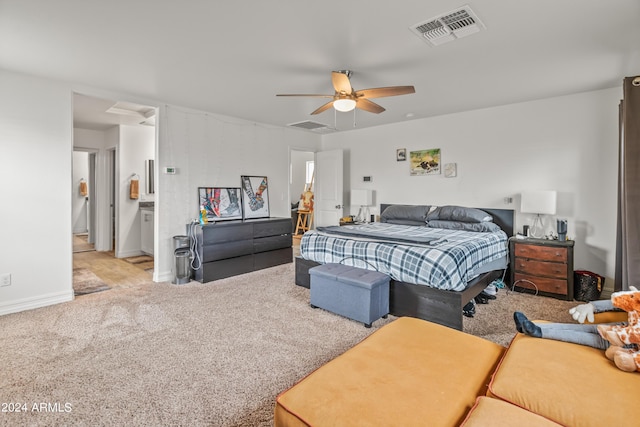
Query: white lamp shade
point(538, 202)
point(344, 105)
point(361, 197)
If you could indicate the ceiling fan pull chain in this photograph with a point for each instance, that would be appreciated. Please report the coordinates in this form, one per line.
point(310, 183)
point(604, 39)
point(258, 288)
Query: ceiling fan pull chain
point(354, 117)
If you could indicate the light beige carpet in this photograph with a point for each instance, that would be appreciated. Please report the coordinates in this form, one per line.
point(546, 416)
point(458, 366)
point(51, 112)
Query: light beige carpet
point(86, 282)
point(214, 354)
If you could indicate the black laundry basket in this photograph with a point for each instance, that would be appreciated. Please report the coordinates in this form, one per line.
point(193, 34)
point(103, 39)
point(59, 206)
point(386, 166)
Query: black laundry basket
point(587, 285)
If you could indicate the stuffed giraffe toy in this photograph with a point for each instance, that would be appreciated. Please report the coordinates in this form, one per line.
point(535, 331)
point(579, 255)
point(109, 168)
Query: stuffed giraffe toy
point(619, 336)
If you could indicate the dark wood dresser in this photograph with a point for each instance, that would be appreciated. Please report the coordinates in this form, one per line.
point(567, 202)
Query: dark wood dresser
point(545, 266)
point(229, 248)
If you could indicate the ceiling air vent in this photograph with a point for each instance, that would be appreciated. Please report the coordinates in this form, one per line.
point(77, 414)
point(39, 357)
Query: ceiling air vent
point(450, 26)
point(309, 125)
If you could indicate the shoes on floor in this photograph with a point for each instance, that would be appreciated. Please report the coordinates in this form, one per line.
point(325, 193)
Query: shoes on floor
point(491, 290)
point(469, 309)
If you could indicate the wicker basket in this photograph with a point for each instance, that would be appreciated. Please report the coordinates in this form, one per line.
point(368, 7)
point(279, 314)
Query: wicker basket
point(587, 286)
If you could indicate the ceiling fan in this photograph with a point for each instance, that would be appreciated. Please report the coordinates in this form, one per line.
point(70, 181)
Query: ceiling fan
point(346, 98)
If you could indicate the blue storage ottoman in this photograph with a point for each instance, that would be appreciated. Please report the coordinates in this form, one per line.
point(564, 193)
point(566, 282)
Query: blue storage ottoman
point(361, 295)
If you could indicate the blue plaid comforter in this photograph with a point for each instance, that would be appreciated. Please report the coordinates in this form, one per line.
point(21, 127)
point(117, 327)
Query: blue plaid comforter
point(447, 260)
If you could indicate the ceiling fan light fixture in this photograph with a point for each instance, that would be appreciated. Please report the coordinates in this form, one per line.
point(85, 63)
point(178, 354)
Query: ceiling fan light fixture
point(344, 105)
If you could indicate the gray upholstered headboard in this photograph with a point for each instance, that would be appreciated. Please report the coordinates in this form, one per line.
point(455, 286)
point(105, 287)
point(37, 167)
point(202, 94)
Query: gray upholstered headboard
point(504, 218)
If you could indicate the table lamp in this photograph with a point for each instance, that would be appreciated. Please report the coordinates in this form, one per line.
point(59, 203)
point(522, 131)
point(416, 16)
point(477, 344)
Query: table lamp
point(539, 203)
point(364, 198)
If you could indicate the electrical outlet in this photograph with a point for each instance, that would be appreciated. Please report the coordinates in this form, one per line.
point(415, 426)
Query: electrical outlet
point(5, 279)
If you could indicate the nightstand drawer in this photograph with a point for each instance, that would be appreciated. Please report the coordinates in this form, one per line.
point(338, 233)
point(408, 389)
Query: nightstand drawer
point(542, 284)
point(541, 268)
point(545, 253)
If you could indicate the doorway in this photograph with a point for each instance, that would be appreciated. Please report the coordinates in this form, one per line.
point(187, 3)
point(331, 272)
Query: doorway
point(301, 177)
point(113, 141)
point(83, 200)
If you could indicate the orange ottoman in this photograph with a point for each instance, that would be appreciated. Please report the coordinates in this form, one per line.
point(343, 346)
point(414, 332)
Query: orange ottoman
point(409, 372)
point(489, 412)
point(571, 384)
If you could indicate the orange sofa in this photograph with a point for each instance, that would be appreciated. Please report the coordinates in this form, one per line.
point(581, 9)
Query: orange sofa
point(412, 372)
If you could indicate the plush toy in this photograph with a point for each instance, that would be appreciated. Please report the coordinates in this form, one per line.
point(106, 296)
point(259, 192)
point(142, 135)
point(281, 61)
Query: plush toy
point(622, 337)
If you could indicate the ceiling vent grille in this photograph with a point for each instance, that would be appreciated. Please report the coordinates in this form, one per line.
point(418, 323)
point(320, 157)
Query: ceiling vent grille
point(450, 26)
point(309, 125)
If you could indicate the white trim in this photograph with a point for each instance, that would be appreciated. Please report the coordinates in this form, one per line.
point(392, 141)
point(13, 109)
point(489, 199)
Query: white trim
point(36, 302)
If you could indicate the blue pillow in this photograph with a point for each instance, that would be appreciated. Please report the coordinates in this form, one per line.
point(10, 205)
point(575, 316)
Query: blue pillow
point(459, 213)
point(405, 214)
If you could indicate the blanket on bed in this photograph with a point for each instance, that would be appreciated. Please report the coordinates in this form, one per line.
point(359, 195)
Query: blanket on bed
point(381, 234)
point(443, 259)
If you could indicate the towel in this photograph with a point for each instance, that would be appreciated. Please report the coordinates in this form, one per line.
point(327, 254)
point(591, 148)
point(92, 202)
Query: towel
point(83, 188)
point(133, 189)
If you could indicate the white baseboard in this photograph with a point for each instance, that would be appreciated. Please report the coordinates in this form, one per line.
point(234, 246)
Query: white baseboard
point(35, 302)
point(127, 254)
point(163, 277)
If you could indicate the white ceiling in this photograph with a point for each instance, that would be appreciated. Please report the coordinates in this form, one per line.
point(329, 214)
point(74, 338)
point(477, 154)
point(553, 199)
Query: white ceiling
point(232, 58)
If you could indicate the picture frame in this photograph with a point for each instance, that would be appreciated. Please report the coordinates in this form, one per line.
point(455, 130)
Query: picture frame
point(450, 170)
point(255, 196)
point(221, 203)
point(401, 154)
point(425, 162)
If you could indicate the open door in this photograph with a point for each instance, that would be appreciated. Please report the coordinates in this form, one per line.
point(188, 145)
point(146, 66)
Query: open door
point(329, 191)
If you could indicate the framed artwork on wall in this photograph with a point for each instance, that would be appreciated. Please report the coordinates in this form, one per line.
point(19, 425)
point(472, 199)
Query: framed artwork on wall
point(255, 197)
point(450, 170)
point(425, 162)
point(401, 154)
point(221, 203)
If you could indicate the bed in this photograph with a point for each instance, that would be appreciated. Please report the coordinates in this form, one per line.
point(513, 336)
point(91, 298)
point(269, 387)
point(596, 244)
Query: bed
point(427, 251)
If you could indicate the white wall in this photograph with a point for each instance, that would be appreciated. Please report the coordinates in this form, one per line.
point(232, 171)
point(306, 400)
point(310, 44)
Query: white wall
point(568, 144)
point(36, 150)
point(213, 150)
point(136, 144)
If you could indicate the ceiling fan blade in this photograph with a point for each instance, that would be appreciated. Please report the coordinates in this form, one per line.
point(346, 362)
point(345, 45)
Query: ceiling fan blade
point(366, 105)
point(314, 95)
point(381, 92)
point(341, 82)
point(325, 107)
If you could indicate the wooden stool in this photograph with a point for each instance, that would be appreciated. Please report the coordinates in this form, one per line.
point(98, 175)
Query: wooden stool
point(304, 221)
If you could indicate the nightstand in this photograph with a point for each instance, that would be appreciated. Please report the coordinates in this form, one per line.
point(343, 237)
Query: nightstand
point(545, 266)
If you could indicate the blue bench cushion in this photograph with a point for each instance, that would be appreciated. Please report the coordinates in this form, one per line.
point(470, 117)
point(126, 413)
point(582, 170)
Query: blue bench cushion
point(350, 275)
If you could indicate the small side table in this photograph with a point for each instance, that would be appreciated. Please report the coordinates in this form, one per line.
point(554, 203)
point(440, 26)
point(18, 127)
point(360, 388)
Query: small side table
point(542, 266)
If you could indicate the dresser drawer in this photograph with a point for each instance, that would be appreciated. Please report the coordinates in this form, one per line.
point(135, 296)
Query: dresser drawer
point(271, 228)
point(265, 244)
point(221, 233)
point(541, 268)
point(227, 250)
point(545, 253)
point(542, 284)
